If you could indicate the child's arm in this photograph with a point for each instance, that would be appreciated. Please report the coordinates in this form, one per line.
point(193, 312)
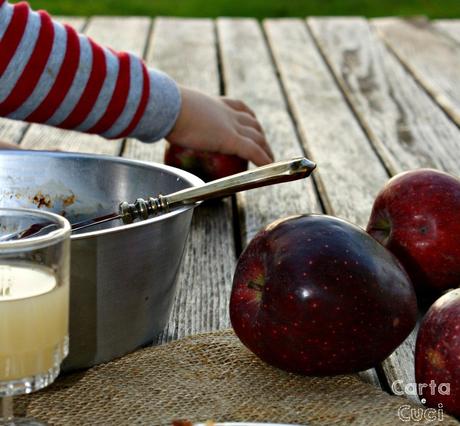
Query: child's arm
point(50, 74)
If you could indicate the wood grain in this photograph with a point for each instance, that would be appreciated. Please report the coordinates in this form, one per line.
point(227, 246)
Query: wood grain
point(349, 172)
point(249, 75)
point(406, 126)
point(186, 50)
point(128, 34)
point(433, 59)
point(12, 131)
point(450, 27)
point(205, 277)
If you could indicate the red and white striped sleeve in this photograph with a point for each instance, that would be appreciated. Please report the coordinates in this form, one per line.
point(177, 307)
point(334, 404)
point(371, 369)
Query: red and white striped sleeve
point(51, 74)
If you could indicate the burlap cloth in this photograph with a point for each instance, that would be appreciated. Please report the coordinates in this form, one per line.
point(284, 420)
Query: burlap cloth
point(208, 376)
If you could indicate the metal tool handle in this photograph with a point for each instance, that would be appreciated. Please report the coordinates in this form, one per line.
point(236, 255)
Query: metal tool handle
point(283, 171)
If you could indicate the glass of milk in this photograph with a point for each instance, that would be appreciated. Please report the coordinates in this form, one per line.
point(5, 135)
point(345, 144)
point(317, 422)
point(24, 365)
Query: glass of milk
point(34, 304)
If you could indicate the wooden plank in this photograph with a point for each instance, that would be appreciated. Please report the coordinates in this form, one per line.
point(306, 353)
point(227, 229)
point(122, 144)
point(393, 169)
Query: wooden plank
point(129, 34)
point(433, 59)
point(327, 127)
point(407, 128)
point(398, 368)
point(12, 131)
point(186, 50)
point(349, 172)
point(449, 27)
point(205, 277)
point(249, 75)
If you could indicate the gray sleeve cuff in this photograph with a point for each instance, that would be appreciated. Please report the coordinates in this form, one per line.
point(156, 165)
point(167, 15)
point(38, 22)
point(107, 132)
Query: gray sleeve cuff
point(162, 108)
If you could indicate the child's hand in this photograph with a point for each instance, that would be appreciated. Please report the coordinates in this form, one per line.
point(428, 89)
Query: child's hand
point(222, 125)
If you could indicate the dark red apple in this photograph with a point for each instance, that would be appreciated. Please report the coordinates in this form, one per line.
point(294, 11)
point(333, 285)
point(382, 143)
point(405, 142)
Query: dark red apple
point(317, 295)
point(416, 216)
point(206, 165)
point(437, 354)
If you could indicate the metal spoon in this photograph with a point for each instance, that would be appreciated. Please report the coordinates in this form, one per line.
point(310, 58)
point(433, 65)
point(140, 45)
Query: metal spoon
point(283, 171)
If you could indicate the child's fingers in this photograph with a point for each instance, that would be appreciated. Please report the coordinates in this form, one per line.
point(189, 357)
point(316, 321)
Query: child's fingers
point(257, 137)
point(250, 150)
point(248, 120)
point(239, 106)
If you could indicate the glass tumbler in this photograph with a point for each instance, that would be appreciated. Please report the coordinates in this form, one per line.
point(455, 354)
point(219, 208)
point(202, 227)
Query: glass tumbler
point(34, 304)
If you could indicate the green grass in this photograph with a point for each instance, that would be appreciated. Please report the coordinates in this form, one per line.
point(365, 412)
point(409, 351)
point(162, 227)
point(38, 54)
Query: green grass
point(255, 8)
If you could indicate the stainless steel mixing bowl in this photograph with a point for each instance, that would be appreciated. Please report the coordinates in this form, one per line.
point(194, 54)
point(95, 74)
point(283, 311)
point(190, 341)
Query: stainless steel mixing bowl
point(123, 278)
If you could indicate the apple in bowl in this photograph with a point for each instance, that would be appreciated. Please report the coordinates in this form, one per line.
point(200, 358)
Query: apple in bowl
point(317, 295)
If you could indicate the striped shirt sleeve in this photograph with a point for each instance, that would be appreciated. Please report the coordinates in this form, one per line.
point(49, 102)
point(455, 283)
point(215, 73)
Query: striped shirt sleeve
point(50, 74)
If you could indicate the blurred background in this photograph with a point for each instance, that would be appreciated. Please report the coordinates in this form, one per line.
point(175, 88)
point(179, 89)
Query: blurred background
point(255, 8)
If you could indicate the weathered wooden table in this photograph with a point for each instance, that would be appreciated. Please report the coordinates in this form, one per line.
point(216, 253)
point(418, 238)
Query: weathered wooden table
point(364, 99)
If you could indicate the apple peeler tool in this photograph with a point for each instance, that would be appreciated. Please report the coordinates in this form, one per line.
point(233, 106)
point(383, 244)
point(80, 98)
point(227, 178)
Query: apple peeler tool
point(282, 171)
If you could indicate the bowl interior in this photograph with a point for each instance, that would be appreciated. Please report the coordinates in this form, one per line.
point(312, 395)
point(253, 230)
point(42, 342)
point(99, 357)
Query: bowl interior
point(82, 186)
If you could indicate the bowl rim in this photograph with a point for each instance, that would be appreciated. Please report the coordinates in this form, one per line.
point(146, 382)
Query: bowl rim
point(187, 176)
